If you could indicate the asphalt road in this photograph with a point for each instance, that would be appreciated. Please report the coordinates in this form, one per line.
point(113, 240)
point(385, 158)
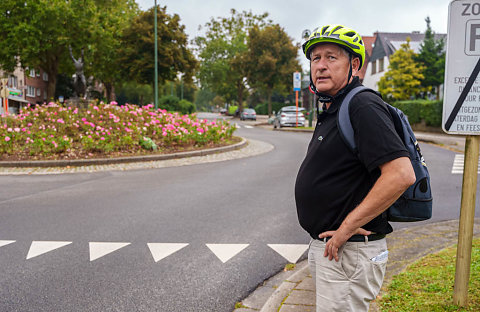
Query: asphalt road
point(245, 201)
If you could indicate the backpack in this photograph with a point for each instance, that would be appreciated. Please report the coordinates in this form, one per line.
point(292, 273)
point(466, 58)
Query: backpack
point(415, 204)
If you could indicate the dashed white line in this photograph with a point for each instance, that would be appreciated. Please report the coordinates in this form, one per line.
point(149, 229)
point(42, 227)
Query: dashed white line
point(40, 247)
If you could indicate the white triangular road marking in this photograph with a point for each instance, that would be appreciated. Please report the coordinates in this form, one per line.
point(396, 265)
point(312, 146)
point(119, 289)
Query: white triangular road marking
point(291, 252)
point(40, 247)
point(163, 250)
point(225, 252)
point(98, 249)
point(248, 127)
point(6, 242)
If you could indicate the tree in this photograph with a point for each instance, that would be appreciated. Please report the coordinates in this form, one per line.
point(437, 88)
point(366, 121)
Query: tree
point(111, 20)
point(38, 33)
point(222, 52)
point(432, 57)
point(35, 33)
point(403, 78)
point(271, 60)
point(173, 55)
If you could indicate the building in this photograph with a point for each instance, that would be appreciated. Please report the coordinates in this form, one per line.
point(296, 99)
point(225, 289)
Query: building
point(24, 86)
point(385, 45)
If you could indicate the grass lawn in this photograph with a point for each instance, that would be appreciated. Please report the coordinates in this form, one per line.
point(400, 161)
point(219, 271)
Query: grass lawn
point(427, 285)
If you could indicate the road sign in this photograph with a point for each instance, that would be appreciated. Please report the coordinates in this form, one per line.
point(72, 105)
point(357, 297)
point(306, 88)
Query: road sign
point(461, 104)
point(297, 81)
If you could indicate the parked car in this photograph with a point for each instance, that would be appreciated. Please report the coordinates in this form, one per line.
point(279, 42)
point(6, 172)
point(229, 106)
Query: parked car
point(287, 116)
point(223, 111)
point(248, 113)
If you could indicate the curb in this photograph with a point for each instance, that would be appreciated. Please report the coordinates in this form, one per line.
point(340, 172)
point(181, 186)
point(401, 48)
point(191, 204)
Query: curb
point(110, 161)
point(276, 299)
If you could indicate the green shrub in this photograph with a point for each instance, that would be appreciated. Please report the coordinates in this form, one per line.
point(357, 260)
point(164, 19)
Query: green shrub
point(422, 110)
point(232, 109)
point(262, 109)
point(186, 107)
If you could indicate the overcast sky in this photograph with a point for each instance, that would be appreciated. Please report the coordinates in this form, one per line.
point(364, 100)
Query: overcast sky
point(367, 16)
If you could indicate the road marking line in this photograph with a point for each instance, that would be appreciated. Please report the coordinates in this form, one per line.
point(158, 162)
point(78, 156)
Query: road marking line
point(248, 127)
point(40, 247)
point(458, 164)
point(163, 250)
point(291, 252)
point(100, 249)
point(225, 252)
point(6, 242)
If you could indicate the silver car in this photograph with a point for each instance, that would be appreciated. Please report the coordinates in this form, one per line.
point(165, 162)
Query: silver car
point(286, 117)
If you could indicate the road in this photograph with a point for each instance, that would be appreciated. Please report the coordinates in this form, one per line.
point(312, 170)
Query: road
point(191, 238)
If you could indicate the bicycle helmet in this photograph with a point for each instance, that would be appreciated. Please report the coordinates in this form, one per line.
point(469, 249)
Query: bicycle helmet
point(346, 38)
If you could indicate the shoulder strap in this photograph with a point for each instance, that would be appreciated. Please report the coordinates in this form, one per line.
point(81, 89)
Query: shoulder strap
point(343, 120)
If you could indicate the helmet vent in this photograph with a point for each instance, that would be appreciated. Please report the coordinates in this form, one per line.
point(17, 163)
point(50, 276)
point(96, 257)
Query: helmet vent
point(355, 40)
point(324, 29)
point(361, 42)
point(350, 34)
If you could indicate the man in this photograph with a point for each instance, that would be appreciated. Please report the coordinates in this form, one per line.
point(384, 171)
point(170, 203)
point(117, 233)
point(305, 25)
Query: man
point(341, 196)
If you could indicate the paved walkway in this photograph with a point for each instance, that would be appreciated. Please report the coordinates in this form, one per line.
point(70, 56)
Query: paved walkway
point(293, 291)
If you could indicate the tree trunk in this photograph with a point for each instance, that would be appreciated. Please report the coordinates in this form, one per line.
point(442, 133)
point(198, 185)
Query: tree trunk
point(269, 101)
point(51, 67)
point(108, 90)
point(240, 89)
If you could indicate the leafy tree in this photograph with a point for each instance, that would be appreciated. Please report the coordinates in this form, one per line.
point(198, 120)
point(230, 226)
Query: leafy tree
point(271, 60)
point(111, 19)
point(403, 78)
point(222, 52)
point(35, 34)
point(39, 32)
point(432, 57)
point(204, 99)
point(173, 55)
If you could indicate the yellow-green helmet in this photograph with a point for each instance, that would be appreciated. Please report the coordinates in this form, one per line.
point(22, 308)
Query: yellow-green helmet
point(346, 37)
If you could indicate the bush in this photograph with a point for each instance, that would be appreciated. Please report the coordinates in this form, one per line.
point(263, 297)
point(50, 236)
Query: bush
point(172, 103)
point(422, 110)
point(262, 109)
point(55, 131)
point(232, 109)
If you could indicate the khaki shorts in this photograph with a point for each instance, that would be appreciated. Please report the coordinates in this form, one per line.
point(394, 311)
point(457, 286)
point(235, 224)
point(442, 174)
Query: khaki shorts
point(351, 283)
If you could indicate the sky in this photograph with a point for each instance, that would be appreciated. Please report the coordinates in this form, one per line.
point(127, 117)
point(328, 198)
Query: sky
point(366, 17)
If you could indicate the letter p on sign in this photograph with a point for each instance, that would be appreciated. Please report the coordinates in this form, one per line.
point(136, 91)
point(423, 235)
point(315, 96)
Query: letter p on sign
point(472, 42)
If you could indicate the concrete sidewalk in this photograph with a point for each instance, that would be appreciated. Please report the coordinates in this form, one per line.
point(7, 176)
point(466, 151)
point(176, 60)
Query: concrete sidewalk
point(293, 291)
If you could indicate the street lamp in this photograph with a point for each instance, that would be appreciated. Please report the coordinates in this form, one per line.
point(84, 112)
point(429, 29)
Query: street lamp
point(156, 58)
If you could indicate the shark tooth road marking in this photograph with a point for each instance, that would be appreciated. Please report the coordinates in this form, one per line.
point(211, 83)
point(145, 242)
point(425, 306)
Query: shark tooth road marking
point(99, 249)
point(160, 250)
point(40, 247)
point(225, 252)
point(6, 242)
point(291, 252)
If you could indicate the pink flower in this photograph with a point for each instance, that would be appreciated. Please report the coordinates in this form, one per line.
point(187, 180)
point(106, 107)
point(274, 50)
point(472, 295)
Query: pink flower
point(200, 130)
point(7, 139)
point(102, 138)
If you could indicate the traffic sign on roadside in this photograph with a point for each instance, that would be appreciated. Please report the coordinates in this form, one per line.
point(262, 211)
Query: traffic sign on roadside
point(297, 81)
point(461, 104)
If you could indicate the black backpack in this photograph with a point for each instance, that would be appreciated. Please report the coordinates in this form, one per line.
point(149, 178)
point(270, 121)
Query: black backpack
point(415, 204)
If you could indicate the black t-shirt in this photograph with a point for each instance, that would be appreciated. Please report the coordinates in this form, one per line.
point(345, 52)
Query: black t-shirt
point(332, 180)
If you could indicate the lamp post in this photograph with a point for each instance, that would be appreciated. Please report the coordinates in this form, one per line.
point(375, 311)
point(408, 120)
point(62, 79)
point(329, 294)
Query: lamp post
point(156, 58)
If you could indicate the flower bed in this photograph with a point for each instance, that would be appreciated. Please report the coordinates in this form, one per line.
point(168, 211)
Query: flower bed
point(55, 132)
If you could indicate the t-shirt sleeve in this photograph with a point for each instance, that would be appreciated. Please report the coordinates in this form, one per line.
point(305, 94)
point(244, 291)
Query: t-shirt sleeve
point(375, 135)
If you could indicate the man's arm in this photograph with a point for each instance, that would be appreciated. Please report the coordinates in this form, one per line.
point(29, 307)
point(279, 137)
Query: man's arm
point(396, 176)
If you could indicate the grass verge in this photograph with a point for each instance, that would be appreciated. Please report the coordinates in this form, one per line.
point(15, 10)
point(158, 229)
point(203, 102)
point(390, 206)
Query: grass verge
point(427, 285)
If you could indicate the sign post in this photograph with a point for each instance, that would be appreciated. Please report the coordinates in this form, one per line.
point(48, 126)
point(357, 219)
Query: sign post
point(461, 112)
point(297, 84)
point(4, 94)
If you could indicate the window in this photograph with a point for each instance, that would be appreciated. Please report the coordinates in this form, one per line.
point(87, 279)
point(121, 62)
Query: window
point(38, 73)
point(30, 91)
point(381, 67)
point(374, 67)
point(45, 76)
point(32, 72)
point(45, 94)
point(12, 82)
point(39, 92)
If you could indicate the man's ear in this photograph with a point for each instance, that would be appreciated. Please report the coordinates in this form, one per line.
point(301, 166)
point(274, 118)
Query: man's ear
point(355, 65)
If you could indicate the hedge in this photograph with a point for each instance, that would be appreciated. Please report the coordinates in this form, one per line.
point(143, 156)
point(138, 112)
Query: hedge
point(422, 110)
point(262, 109)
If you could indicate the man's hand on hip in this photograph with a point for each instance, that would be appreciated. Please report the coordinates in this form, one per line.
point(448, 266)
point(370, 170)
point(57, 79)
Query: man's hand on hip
point(338, 238)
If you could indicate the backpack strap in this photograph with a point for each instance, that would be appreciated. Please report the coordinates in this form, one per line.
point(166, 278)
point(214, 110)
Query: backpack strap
point(344, 123)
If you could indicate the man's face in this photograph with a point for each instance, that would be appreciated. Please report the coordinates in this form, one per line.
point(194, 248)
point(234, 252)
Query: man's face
point(329, 68)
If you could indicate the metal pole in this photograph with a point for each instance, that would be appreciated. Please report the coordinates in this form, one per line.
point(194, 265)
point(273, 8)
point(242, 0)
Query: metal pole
point(156, 59)
point(467, 215)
